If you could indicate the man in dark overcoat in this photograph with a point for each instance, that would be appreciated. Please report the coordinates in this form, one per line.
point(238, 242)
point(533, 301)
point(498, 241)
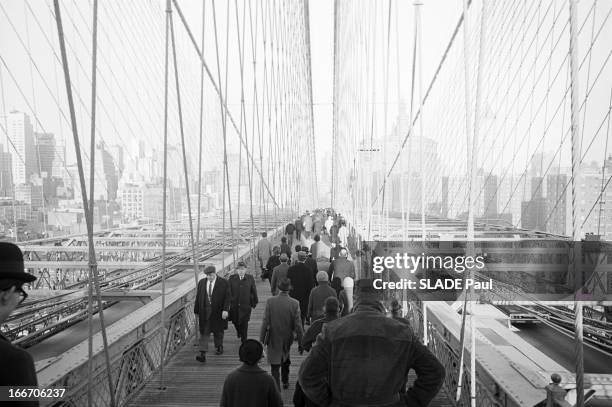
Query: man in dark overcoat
point(244, 298)
point(281, 321)
point(302, 281)
point(212, 306)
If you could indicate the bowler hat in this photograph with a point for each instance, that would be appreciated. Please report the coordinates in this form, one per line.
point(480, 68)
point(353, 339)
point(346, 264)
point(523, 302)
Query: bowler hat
point(11, 266)
point(241, 264)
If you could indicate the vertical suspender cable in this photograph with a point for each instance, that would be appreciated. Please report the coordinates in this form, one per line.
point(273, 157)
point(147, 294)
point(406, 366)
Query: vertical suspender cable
point(180, 114)
point(92, 154)
point(199, 211)
point(8, 142)
point(470, 220)
point(165, 204)
point(226, 185)
point(418, 4)
point(217, 89)
point(471, 209)
point(88, 213)
point(576, 226)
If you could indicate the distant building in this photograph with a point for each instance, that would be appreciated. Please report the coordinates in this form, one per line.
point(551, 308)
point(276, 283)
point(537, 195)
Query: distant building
point(556, 197)
point(533, 214)
point(490, 196)
point(6, 173)
point(22, 149)
point(145, 201)
point(45, 153)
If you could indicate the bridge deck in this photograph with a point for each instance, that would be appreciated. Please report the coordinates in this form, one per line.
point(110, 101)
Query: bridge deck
point(191, 383)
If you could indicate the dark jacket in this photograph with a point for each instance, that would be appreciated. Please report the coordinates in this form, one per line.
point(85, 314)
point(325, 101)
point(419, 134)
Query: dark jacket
point(364, 358)
point(299, 226)
point(310, 336)
point(278, 274)
point(281, 320)
point(312, 265)
point(302, 282)
point(285, 248)
point(16, 369)
point(272, 262)
point(317, 298)
point(243, 296)
point(220, 302)
point(250, 386)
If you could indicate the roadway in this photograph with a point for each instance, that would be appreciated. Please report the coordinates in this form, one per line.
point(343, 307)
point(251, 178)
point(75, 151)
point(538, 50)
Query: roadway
point(67, 338)
point(560, 347)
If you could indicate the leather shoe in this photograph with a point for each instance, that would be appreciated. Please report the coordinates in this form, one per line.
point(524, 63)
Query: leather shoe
point(219, 350)
point(201, 357)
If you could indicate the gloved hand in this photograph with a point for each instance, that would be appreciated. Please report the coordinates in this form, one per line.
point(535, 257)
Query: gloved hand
point(224, 315)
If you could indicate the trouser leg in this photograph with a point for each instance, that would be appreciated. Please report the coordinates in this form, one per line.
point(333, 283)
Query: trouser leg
point(276, 374)
point(218, 338)
point(244, 329)
point(285, 371)
point(204, 337)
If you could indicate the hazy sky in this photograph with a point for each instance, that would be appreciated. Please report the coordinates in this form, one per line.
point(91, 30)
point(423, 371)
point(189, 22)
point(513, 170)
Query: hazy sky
point(130, 83)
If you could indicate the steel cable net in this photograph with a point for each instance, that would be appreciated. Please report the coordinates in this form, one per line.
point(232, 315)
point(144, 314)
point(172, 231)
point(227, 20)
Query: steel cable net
point(523, 149)
point(268, 106)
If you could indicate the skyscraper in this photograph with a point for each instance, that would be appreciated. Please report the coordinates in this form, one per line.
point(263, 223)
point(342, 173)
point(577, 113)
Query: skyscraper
point(45, 153)
point(23, 152)
point(6, 173)
point(556, 196)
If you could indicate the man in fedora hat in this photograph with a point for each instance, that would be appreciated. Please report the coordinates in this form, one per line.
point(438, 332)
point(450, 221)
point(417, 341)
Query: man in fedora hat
point(212, 306)
point(18, 365)
point(302, 281)
point(280, 323)
point(244, 298)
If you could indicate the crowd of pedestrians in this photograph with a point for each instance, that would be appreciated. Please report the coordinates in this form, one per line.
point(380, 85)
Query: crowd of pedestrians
point(324, 302)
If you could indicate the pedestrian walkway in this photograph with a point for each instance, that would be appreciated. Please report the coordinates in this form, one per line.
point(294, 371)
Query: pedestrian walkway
point(191, 383)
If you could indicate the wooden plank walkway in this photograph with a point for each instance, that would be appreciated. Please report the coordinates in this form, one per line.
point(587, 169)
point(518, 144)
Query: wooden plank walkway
point(191, 383)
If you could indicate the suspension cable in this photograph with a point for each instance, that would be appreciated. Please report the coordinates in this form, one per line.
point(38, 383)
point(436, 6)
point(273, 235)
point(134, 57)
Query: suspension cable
point(88, 213)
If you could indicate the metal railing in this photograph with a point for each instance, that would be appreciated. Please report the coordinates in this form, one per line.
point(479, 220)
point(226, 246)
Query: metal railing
point(137, 365)
point(141, 359)
point(449, 358)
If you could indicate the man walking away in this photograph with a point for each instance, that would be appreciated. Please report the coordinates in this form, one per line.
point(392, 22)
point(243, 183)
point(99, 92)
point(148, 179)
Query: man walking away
point(289, 229)
point(318, 296)
point(17, 366)
point(279, 273)
point(302, 281)
point(263, 250)
point(281, 321)
point(244, 298)
point(285, 247)
point(273, 261)
point(299, 227)
point(340, 269)
point(364, 359)
point(212, 308)
point(249, 385)
point(331, 313)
